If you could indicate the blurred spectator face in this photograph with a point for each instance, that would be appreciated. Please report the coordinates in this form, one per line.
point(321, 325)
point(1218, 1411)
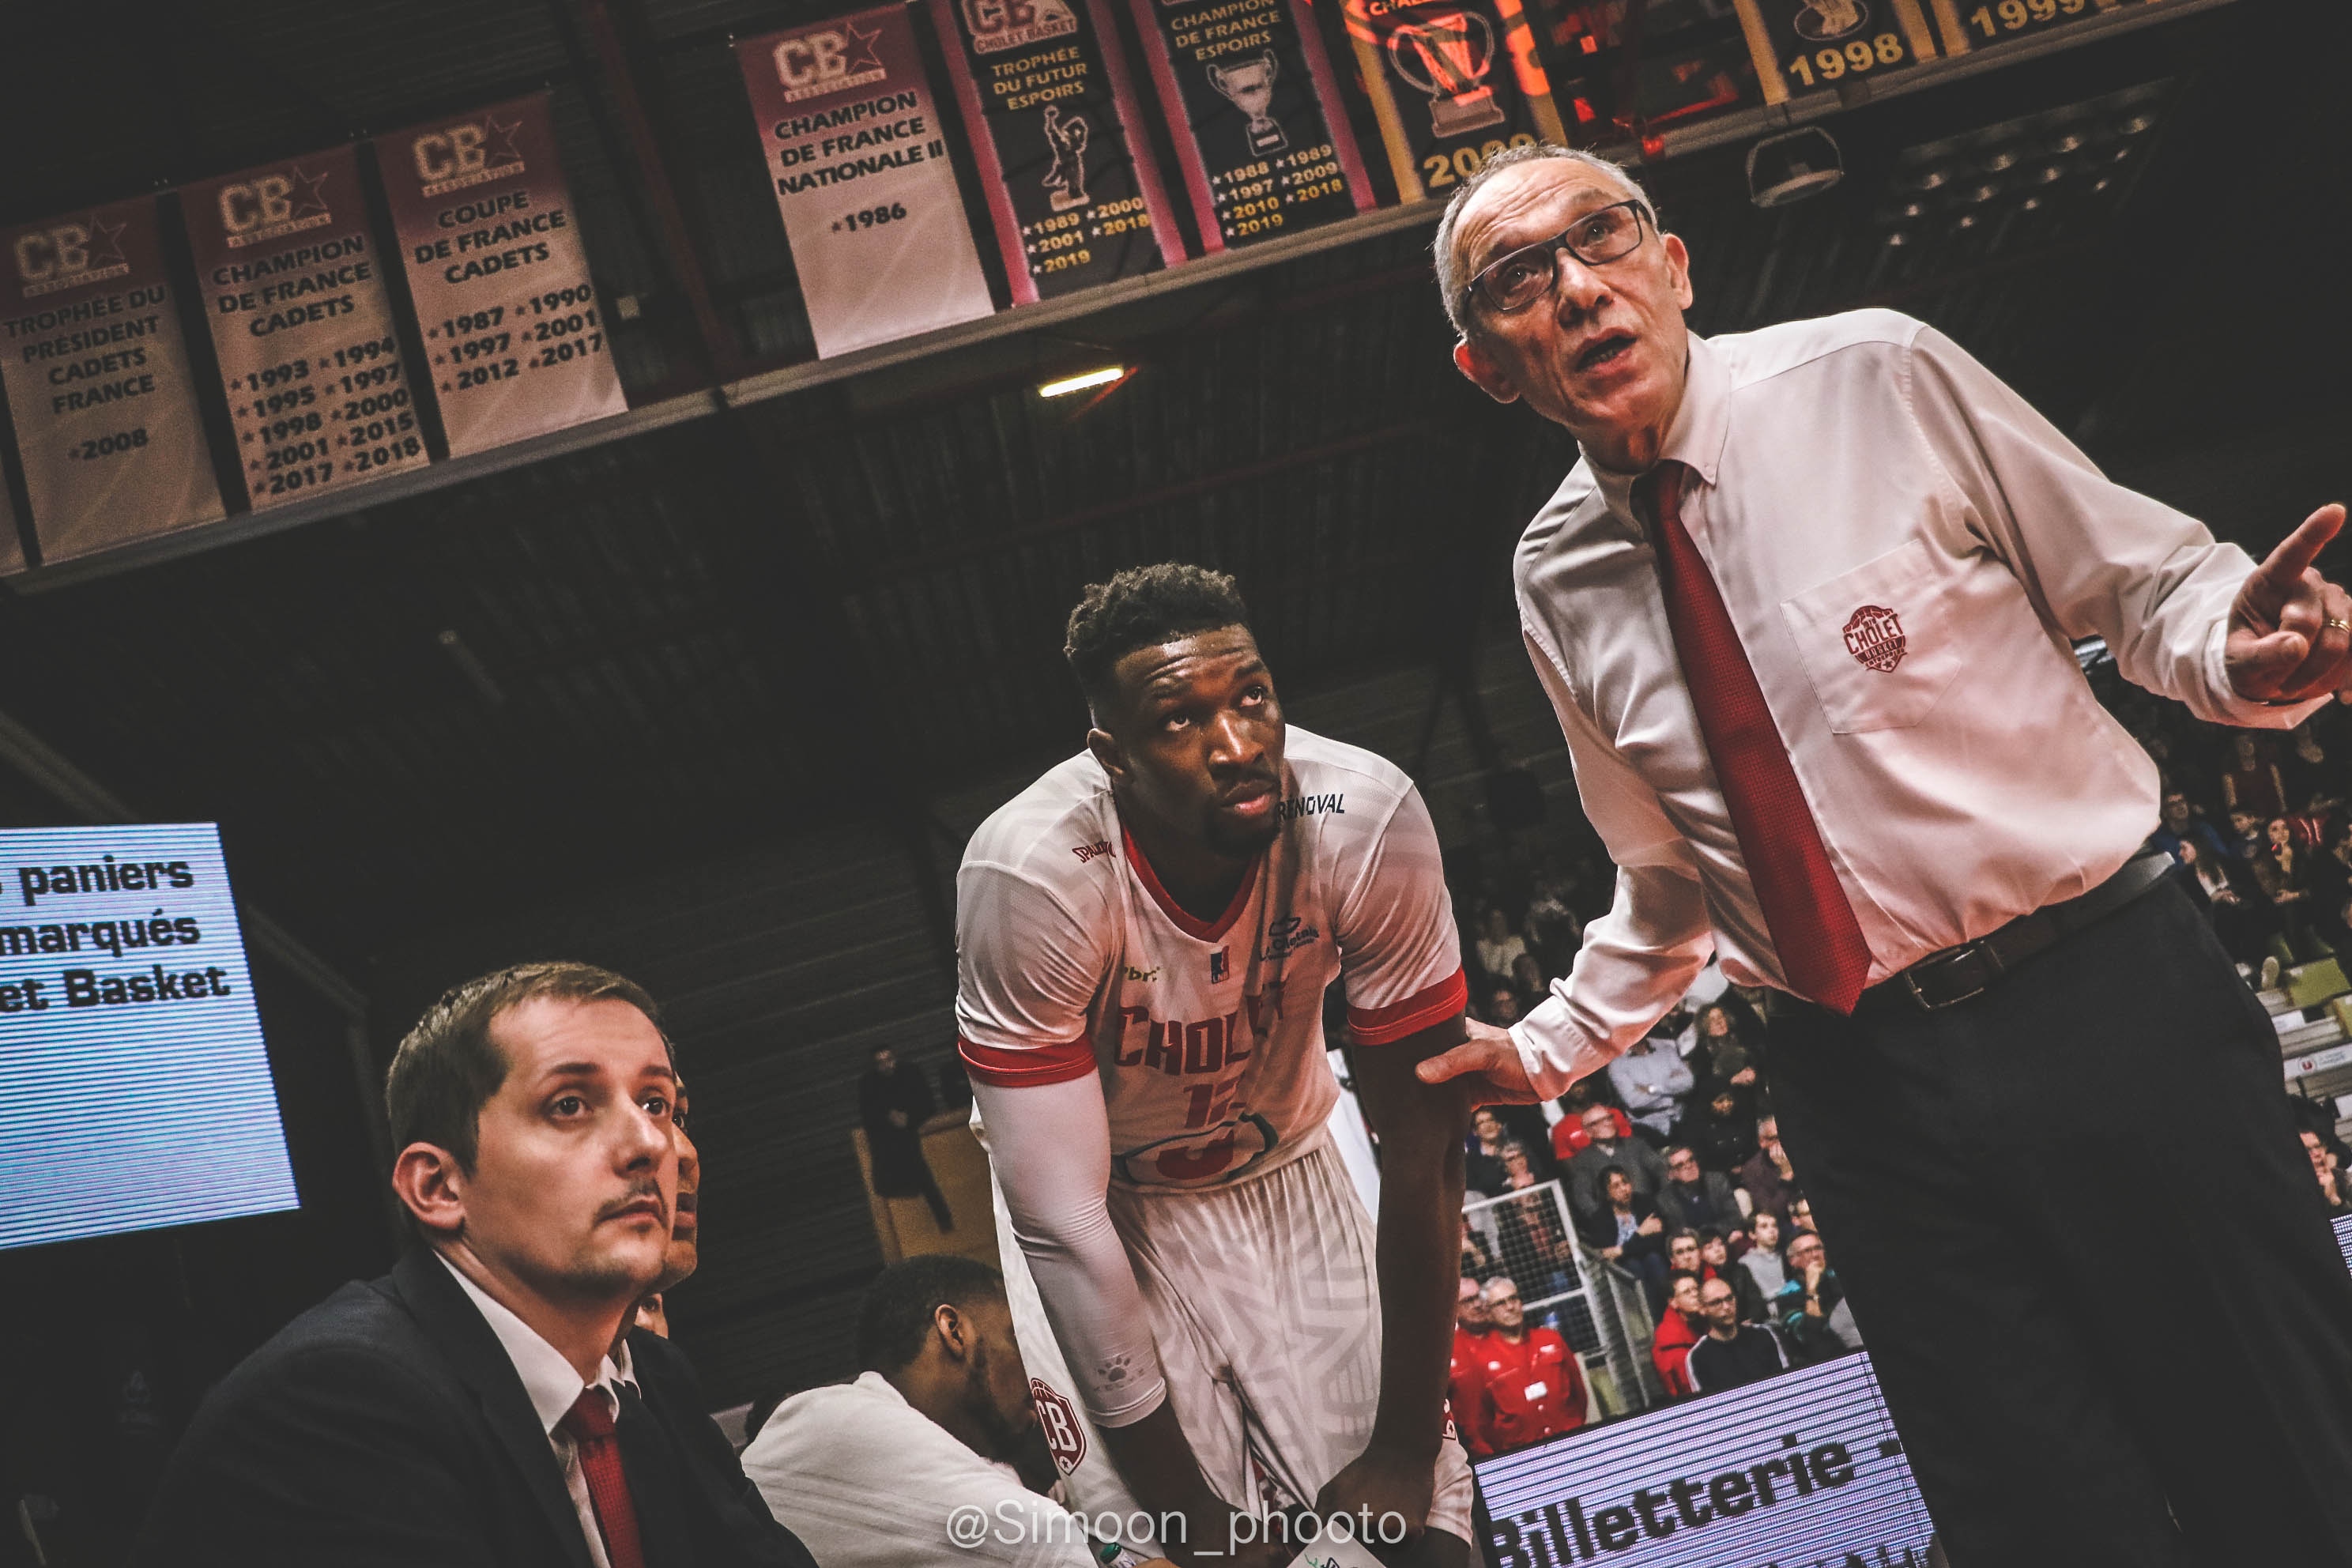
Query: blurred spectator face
point(1765, 1227)
point(1470, 1309)
point(651, 1317)
point(1713, 1023)
point(1683, 1252)
point(1621, 1188)
point(2188, 852)
point(1503, 1006)
point(1600, 1126)
point(2323, 1163)
point(1683, 1165)
point(1524, 971)
point(1498, 926)
point(684, 1221)
point(1503, 1309)
point(1767, 1135)
point(2279, 833)
point(2244, 821)
point(1515, 1163)
point(1801, 1215)
point(2176, 812)
point(1723, 1105)
point(2243, 744)
point(1686, 1298)
point(1714, 1250)
point(1804, 1251)
point(1482, 1122)
point(885, 1060)
point(1719, 1304)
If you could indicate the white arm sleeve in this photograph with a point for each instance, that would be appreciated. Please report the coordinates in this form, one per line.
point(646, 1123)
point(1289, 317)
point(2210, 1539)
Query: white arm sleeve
point(1050, 1144)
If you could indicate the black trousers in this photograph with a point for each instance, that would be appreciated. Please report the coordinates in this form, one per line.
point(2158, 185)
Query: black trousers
point(2088, 1253)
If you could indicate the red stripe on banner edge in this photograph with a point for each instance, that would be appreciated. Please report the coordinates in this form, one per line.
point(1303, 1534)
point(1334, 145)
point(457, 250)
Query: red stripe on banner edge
point(1188, 146)
point(1335, 107)
point(957, 54)
point(1131, 129)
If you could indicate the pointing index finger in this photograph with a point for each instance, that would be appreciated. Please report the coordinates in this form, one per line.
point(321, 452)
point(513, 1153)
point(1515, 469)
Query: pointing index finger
point(2284, 570)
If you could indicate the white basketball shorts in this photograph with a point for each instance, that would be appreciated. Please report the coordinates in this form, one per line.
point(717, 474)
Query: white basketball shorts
point(1265, 1300)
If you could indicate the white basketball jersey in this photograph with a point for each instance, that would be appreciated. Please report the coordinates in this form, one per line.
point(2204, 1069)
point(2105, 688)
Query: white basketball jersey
point(1208, 1035)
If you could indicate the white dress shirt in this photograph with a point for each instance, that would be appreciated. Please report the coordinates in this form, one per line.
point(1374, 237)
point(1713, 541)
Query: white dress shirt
point(554, 1385)
point(867, 1480)
point(1842, 469)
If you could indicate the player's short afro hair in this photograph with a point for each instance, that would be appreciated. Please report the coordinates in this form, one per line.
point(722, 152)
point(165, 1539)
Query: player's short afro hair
point(895, 1319)
point(1144, 607)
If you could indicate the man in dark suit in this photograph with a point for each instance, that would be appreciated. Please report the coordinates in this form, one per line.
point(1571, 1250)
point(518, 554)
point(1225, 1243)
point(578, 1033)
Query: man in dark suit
point(1699, 1200)
point(479, 1406)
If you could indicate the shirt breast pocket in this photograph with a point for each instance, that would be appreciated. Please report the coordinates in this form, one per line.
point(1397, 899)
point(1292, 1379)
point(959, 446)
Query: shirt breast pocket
point(1881, 644)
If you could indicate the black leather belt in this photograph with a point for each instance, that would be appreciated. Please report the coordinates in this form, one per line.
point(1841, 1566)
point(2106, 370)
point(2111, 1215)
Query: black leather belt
point(1957, 974)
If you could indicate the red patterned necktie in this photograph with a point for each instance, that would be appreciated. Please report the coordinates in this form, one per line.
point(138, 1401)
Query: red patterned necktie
point(590, 1427)
point(1822, 953)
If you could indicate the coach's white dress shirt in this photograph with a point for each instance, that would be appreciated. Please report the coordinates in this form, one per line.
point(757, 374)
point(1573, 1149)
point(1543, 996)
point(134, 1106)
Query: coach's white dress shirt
point(1906, 549)
point(554, 1385)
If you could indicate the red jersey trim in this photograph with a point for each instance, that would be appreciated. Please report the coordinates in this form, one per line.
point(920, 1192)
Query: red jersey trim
point(1384, 1026)
point(1028, 1067)
point(1199, 930)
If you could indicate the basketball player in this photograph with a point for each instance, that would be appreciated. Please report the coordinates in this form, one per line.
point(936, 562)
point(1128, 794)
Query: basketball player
point(1145, 935)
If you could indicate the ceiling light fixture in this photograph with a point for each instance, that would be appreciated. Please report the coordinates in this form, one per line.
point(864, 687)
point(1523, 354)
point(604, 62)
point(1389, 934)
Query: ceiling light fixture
point(1070, 384)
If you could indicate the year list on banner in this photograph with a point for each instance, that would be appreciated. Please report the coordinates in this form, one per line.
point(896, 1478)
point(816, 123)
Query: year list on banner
point(1056, 130)
point(97, 384)
point(1453, 83)
point(299, 317)
point(1260, 128)
point(859, 162)
point(1812, 46)
point(496, 266)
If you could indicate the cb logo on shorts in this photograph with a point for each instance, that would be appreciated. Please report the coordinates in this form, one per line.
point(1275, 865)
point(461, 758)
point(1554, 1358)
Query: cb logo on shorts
point(1065, 1435)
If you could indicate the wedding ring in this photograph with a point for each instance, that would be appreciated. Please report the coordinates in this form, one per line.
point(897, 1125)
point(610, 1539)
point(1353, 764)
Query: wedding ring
point(2341, 625)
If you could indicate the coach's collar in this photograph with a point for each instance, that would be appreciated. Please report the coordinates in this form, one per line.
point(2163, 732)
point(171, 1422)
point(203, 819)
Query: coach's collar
point(1696, 439)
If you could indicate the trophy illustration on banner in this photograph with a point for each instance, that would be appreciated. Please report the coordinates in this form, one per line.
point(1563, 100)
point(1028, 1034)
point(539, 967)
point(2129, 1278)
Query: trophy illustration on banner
point(1447, 54)
point(1067, 177)
point(1250, 87)
point(1820, 20)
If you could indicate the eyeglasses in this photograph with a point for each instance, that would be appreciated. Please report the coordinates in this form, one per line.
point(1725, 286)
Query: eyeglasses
point(1514, 281)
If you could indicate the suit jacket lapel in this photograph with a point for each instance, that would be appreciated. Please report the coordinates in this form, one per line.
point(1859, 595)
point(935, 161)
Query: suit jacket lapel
point(453, 1323)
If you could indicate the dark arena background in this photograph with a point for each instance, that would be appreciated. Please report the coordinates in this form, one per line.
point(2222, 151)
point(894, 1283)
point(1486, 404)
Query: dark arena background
point(683, 606)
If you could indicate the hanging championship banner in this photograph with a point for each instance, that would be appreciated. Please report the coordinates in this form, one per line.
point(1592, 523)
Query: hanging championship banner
point(1967, 24)
point(1453, 83)
point(1261, 132)
point(499, 276)
point(859, 162)
point(1046, 97)
point(1811, 46)
point(317, 391)
point(97, 384)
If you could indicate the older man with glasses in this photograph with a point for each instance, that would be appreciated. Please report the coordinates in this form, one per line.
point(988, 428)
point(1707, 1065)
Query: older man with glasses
point(1803, 610)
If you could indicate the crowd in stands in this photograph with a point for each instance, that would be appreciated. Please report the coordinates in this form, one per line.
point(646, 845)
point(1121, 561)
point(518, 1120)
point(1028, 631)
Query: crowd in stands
point(1670, 1163)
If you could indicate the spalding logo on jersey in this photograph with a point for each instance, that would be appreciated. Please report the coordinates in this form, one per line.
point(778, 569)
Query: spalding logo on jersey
point(1058, 1418)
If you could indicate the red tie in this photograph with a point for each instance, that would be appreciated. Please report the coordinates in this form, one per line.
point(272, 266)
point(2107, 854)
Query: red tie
point(1821, 950)
point(590, 1427)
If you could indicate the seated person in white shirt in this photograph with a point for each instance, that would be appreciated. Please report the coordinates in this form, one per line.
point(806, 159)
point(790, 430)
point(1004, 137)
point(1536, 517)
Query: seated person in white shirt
point(914, 1463)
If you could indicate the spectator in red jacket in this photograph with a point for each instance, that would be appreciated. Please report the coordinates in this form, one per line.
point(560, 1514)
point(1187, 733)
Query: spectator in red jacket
point(1679, 1327)
point(1467, 1378)
point(1533, 1387)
